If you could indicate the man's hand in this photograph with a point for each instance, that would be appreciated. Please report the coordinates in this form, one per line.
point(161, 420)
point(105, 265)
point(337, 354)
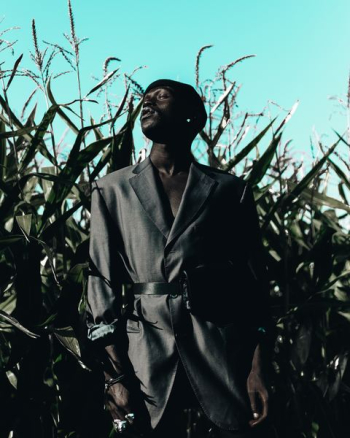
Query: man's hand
point(123, 397)
point(120, 402)
point(259, 397)
point(257, 386)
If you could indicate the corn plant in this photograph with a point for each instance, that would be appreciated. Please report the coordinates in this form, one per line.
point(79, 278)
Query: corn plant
point(51, 381)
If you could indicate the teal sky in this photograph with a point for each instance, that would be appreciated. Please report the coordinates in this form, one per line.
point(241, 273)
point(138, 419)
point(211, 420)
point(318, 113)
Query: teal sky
point(302, 48)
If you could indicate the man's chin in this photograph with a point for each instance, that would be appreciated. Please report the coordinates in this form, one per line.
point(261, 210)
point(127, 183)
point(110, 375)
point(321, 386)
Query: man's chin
point(153, 131)
point(149, 123)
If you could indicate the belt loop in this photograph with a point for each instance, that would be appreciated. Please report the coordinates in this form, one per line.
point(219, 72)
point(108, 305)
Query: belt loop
point(127, 296)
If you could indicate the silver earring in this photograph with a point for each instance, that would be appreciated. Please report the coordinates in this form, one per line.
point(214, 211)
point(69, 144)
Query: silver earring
point(188, 120)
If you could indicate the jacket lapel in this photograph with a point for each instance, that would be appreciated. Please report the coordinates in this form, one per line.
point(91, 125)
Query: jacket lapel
point(198, 188)
point(197, 191)
point(148, 193)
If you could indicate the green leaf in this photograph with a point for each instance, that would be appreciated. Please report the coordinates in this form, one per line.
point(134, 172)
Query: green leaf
point(300, 349)
point(121, 107)
point(15, 67)
point(341, 192)
point(59, 181)
point(222, 98)
point(12, 378)
point(345, 180)
point(37, 141)
point(25, 222)
point(259, 169)
point(69, 174)
point(50, 257)
point(53, 228)
point(18, 133)
point(81, 134)
point(76, 162)
point(304, 183)
point(10, 114)
point(97, 132)
point(2, 152)
point(103, 82)
point(104, 160)
point(338, 365)
point(46, 183)
point(245, 151)
point(9, 305)
point(60, 112)
point(327, 286)
point(108, 155)
point(288, 117)
point(9, 240)
point(76, 273)
point(13, 321)
point(312, 196)
point(67, 338)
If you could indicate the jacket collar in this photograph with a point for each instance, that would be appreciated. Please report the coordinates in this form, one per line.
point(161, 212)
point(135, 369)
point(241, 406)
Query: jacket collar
point(197, 191)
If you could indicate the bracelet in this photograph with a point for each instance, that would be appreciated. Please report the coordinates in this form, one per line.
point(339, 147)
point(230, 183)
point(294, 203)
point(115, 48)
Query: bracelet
point(111, 382)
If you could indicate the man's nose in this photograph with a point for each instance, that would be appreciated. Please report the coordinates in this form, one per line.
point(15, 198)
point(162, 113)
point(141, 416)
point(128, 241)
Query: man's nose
point(149, 100)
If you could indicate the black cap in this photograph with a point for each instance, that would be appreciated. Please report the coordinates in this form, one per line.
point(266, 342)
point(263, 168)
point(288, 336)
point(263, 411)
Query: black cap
point(186, 92)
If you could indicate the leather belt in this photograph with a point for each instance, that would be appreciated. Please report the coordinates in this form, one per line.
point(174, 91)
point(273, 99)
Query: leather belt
point(158, 288)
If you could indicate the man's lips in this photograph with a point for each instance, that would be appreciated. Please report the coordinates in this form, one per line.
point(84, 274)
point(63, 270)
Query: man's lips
point(148, 112)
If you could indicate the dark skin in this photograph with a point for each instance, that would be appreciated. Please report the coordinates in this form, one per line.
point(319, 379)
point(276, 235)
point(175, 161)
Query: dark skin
point(163, 121)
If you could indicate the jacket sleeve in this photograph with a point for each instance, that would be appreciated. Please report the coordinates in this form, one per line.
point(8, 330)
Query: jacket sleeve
point(256, 256)
point(104, 288)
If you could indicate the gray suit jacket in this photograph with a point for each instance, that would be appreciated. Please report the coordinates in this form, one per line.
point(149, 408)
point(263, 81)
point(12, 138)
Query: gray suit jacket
point(133, 239)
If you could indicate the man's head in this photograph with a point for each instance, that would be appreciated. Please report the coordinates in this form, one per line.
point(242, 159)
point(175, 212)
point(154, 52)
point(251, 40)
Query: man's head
point(172, 109)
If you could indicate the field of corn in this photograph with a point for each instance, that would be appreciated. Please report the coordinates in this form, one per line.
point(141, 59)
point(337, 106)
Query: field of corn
point(50, 383)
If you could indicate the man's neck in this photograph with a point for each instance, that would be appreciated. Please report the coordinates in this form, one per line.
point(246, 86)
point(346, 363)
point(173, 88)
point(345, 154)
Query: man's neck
point(169, 159)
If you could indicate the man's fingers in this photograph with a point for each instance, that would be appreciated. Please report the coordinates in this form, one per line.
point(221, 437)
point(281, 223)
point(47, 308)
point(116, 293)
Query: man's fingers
point(253, 403)
point(265, 405)
point(261, 413)
point(117, 412)
point(125, 407)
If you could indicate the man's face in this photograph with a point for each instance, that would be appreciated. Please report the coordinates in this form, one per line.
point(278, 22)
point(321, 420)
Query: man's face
point(161, 115)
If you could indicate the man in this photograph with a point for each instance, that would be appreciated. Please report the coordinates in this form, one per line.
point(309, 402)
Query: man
point(187, 236)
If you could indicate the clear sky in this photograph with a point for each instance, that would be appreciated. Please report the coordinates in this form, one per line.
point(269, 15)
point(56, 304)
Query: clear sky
point(302, 48)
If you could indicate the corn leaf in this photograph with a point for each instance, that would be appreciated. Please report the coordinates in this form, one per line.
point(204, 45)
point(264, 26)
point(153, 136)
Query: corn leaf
point(13, 321)
point(304, 183)
point(60, 112)
point(68, 339)
point(259, 169)
point(345, 180)
point(319, 198)
point(38, 140)
point(245, 151)
point(2, 151)
point(14, 70)
point(75, 164)
point(19, 132)
point(25, 222)
point(103, 82)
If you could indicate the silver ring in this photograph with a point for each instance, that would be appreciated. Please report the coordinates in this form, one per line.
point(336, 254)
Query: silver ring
point(119, 425)
point(130, 416)
point(255, 415)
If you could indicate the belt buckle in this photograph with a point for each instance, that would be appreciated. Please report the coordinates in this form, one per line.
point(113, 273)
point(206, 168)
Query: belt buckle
point(185, 286)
